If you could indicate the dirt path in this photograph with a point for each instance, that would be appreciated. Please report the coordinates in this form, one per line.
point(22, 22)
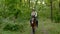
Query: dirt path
point(44, 29)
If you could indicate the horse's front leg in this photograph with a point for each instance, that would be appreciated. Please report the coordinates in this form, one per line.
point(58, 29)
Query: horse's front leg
point(33, 29)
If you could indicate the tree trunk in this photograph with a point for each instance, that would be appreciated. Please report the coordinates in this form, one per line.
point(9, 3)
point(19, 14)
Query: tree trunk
point(29, 3)
point(51, 11)
point(59, 4)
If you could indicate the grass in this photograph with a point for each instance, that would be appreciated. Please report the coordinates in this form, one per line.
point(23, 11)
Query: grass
point(45, 26)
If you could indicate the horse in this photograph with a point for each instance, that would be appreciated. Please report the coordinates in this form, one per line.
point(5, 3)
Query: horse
point(33, 24)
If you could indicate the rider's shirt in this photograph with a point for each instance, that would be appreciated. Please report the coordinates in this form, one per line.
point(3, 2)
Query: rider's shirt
point(34, 13)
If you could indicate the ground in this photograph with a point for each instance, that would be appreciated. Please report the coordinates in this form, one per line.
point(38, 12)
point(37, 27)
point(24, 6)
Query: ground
point(45, 26)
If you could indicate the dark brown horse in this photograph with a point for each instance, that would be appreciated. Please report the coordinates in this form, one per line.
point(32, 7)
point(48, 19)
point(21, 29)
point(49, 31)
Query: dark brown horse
point(33, 24)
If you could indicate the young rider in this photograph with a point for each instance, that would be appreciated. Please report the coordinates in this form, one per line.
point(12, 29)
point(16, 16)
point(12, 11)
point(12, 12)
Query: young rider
point(34, 14)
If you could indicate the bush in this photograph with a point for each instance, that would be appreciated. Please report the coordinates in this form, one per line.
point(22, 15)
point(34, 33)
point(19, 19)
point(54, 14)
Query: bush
point(12, 27)
point(56, 16)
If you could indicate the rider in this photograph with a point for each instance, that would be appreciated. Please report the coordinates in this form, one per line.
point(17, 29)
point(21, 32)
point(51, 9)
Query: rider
point(34, 13)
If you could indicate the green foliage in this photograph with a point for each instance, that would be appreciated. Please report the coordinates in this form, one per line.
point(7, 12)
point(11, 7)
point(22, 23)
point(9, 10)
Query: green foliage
point(56, 12)
point(11, 27)
point(1, 20)
point(57, 19)
point(56, 16)
point(9, 8)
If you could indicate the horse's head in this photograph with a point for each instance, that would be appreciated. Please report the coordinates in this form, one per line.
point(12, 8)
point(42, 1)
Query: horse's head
point(32, 20)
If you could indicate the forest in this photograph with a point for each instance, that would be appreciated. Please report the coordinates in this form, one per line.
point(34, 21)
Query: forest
point(15, 16)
